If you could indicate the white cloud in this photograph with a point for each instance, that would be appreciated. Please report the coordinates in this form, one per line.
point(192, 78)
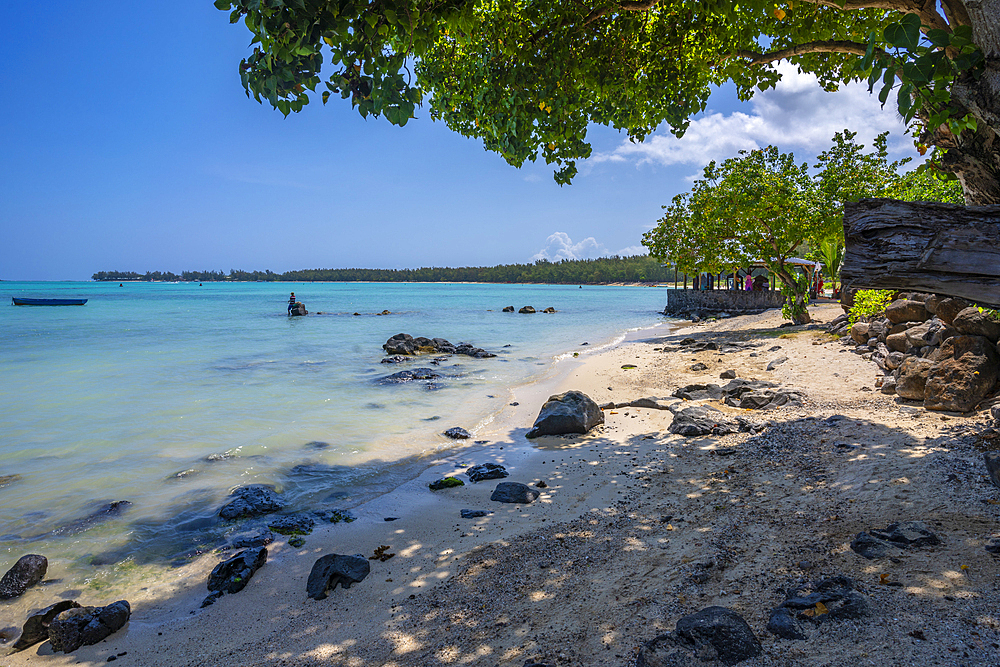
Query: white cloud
point(560, 246)
point(797, 115)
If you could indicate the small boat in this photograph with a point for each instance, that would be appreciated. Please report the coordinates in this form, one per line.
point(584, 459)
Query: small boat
point(47, 302)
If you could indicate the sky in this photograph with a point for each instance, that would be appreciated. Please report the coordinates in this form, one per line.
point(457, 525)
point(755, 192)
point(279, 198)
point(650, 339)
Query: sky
point(127, 143)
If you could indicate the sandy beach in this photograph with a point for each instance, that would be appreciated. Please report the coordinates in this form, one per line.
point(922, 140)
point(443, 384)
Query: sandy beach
point(634, 528)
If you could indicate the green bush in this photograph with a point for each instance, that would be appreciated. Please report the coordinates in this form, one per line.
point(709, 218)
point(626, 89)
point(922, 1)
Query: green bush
point(868, 303)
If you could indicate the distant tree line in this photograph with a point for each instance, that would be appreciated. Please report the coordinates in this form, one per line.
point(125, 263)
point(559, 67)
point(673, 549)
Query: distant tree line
point(638, 268)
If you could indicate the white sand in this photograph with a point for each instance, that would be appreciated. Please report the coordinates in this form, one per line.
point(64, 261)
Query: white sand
point(614, 550)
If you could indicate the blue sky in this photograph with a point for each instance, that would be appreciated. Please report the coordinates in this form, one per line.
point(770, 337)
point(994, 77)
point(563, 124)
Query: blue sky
point(127, 143)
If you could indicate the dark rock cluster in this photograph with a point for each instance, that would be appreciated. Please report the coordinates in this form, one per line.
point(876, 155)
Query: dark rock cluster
point(830, 599)
point(875, 543)
point(406, 345)
point(710, 637)
point(85, 626)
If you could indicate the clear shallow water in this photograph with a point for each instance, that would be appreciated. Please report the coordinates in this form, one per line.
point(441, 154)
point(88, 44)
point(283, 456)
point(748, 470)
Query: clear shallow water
point(110, 400)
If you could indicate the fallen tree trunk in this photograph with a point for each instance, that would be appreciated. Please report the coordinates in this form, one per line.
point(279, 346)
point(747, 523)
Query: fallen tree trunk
point(923, 247)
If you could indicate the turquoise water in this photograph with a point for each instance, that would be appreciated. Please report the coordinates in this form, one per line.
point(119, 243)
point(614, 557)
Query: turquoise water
point(109, 401)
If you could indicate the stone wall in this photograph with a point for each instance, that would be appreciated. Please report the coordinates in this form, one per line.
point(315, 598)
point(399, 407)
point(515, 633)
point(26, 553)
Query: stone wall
point(685, 301)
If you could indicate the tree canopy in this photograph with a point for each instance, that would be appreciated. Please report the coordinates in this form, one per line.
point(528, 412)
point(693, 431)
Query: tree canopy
point(527, 78)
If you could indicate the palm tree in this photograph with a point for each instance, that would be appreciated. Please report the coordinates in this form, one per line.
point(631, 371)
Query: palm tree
point(831, 255)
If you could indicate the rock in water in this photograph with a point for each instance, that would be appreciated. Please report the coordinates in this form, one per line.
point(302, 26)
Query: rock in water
point(36, 628)
point(526, 310)
point(334, 569)
point(298, 310)
point(232, 576)
point(84, 626)
point(293, 524)
point(838, 596)
point(508, 309)
point(458, 433)
point(571, 412)
point(27, 571)
point(514, 492)
point(713, 636)
point(486, 471)
point(252, 500)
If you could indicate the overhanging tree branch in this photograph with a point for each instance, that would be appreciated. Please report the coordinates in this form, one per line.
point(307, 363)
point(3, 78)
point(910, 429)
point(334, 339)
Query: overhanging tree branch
point(825, 46)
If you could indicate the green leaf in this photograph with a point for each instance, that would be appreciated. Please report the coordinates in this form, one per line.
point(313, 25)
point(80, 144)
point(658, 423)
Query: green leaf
point(938, 37)
point(223, 4)
point(883, 94)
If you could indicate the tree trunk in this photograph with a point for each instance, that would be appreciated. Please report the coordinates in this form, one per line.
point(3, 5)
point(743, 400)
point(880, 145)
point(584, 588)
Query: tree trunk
point(975, 156)
point(797, 301)
point(924, 247)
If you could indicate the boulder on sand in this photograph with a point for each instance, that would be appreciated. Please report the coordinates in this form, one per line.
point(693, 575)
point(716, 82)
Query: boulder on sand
point(85, 626)
point(962, 376)
point(713, 636)
point(514, 492)
point(569, 412)
point(702, 420)
point(232, 575)
point(334, 569)
point(36, 628)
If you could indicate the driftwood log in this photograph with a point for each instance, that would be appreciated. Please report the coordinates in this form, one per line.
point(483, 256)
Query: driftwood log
point(923, 247)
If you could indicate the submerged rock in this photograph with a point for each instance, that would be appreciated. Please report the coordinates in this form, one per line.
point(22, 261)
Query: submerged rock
point(293, 524)
point(36, 628)
point(409, 376)
point(85, 626)
point(406, 345)
point(108, 511)
point(252, 500)
point(232, 575)
point(26, 572)
point(334, 569)
point(458, 433)
point(569, 412)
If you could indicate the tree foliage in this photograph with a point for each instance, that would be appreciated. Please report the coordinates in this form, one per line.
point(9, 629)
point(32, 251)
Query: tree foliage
point(759, 207)
point(638, 268)
point(527, 78)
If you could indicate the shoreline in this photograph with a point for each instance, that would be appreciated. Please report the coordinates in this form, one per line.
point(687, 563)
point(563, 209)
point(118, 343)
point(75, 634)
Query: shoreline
point(634, 529)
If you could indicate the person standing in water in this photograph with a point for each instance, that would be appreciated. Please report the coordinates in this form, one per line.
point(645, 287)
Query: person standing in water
point(291, 303)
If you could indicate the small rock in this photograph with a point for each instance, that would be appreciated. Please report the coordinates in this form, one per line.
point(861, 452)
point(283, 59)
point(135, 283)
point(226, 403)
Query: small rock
point(994, 546)
point(26, 572)
point(699, 367)
point(334, 569)
point(508, 309)
point(727, 375)
point(232, 575)
point(293, 524)
point(992, 460)
point(513, 492)
point(701, 420)
point(526, 310)
point(903, 535)
point(85, 626)
point(836, 594)
point(486, 471)
point(541, 484)
point(474, 514)
point(713, 635)
point(774, 363)
point(457, 433)
point(6, 480)
point(445, 483)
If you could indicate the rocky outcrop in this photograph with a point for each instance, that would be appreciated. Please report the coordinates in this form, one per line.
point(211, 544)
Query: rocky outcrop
point(406, 345)
point(334, 569)
point(36, 628)
point(250, 501)
point(526, 310)
point(26, 572)
point(297, 310)
point(508, 309)
point(713, 636)
point(232, 575)
point(963, 374)
point(971, 322)
point(85, 626)
point(569, 412)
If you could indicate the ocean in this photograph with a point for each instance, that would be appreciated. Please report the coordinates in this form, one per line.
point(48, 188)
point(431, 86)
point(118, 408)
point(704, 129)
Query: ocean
point(169, 395)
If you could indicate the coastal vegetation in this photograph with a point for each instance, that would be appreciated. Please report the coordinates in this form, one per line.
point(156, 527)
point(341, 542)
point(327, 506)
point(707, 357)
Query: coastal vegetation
point(762, 206)
point(637, 268)
point(528, 79)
